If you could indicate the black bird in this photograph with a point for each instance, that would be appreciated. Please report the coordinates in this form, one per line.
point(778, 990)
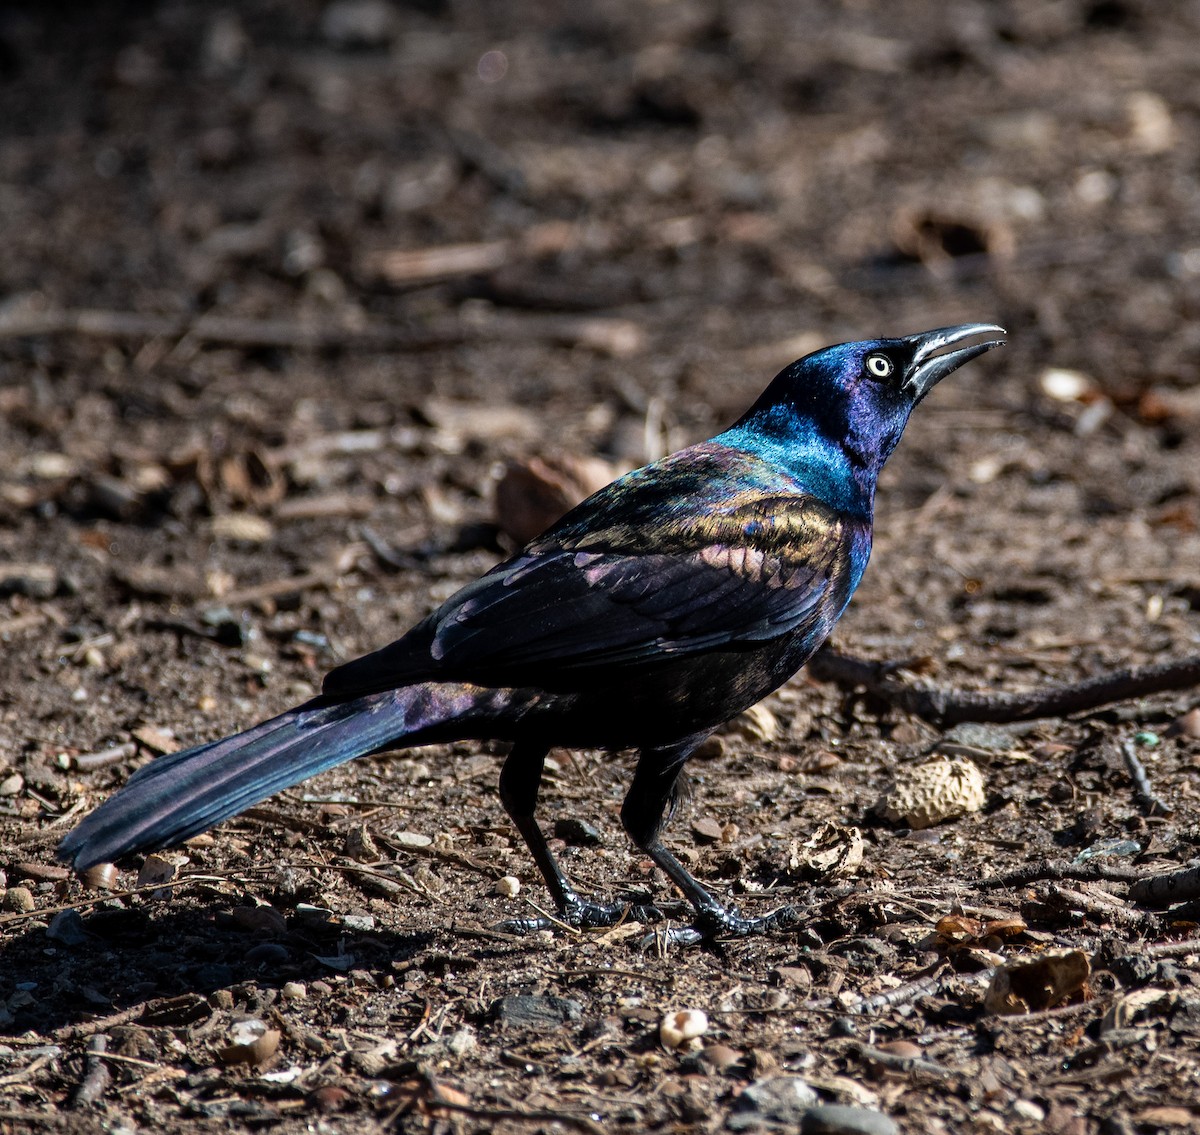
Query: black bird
point(659, 608)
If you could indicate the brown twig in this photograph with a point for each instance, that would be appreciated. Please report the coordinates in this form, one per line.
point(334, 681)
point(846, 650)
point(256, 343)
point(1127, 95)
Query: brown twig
point(1164, 890)
point(1101, 906)
point(1172, 949)
point(897, 1063)
point(614, 336)
point(88, 1028)
point(1084, 873)
point(1146, 798)
point(105, 757)
point(97, 1076)
point(902, 994)
point(952, 707)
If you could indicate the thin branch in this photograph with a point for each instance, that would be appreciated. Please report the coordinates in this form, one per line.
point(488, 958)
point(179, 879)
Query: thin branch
point(607, 335)
point(952, 707)
point(1153, 805)
point(1164, 890)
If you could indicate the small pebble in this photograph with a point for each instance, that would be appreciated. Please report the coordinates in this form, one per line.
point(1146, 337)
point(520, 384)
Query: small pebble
point(577, 832)
point(838, 1119)
point(329, 1098)
point(1189, 724)
point(720, 1056)
point(1027, 1109)
point(12, 784)
point(294, 991)
point(544, 1012)
point(412, 839)
point(1064, 385)
point(67, 927)
point(1147, 738)
point(508, 887)
point(19, 899)
point(774, 1104)
point(682, 1026)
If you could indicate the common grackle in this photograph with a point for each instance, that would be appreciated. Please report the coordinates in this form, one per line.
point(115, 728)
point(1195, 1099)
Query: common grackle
point(660, 607)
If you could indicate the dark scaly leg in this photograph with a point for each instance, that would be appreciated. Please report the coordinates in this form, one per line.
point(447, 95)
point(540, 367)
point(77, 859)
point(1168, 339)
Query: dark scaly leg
point(648, 807)
point(520, 780)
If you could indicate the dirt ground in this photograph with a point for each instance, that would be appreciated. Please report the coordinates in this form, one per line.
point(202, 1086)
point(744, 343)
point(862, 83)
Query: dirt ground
point(282, 289)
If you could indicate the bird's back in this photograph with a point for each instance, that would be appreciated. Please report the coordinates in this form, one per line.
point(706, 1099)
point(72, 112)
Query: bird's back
point(687, 590)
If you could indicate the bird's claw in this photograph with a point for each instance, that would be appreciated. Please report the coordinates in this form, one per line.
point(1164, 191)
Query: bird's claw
point(720, 922)
point(584, 915)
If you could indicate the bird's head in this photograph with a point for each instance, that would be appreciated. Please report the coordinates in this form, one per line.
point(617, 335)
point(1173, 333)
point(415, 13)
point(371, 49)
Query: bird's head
point(853, 400)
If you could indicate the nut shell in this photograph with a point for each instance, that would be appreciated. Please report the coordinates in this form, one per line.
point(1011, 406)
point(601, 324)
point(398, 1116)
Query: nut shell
point(927, 794)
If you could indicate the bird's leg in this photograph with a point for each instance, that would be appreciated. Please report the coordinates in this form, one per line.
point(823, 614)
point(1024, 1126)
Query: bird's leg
point(520, 780)
point(649, 805)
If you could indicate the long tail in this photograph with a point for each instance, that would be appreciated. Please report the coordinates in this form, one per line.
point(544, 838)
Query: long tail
point(178, 796)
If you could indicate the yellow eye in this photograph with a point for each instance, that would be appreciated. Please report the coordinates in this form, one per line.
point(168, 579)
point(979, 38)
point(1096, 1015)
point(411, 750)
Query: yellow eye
point(879, 366)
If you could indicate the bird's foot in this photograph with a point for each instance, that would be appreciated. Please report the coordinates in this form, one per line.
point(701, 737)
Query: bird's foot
point(717, 921)
point(583, 914)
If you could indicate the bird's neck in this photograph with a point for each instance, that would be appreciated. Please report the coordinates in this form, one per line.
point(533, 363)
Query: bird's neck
point(829, 468)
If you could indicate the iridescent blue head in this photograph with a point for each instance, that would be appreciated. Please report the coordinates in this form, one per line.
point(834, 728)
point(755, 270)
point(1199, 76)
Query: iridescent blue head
point(833, 417)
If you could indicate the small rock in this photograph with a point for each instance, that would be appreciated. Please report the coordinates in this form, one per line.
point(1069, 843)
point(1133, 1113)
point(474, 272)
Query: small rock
point(293, 991)
point(720, 1057)
point(1188, 725)
point(977, 735)
point(535, 1011)
point(706, 830)
point(19, 899)
point(260, 919)
point(1027, 1109)
point(412, 839)
point(462, 1042)
point(268, 953)
point(242, 528)
point(838, 1119)
point(777, 1103)
point(358, 23)
point(359, 923)
point(682, 1026)
point(508, 887)
point(329, 1098)
point(1064, 385)
point(577, 833)
point(12, 784)
point(67, 927)
point(710, 749)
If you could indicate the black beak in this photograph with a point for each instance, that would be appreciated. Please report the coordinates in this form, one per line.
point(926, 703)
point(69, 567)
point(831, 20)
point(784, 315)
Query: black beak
point(928, 367)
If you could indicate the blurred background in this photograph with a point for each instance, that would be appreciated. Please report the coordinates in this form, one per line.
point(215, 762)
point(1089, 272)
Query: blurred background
point(270, 270)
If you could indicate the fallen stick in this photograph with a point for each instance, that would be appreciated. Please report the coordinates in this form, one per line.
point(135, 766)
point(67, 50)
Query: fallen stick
point(952, 707)
point(620, 337)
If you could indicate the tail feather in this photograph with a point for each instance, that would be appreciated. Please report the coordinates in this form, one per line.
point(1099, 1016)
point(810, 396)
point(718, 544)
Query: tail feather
point(180, 795)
